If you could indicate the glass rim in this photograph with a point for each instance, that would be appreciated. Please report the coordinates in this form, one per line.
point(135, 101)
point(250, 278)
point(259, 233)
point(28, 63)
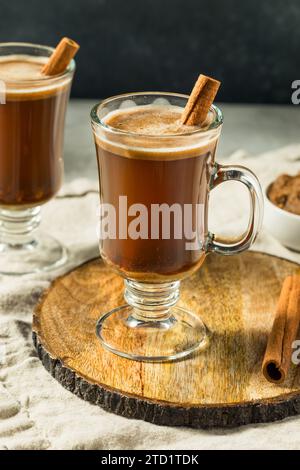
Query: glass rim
point(70, 69)
point(217, 121)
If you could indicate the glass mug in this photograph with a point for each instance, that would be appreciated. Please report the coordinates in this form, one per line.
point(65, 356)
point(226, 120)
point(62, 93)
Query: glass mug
point(32, 119)
point(168, 178)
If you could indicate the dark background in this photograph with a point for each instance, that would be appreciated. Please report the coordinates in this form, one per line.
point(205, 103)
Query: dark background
point(252, 46)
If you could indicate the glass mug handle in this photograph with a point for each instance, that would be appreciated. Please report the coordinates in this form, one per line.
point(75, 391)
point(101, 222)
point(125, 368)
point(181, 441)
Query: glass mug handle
point(227, 246)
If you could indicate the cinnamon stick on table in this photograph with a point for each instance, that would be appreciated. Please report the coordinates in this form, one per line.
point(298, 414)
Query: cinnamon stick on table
point(279, 350)
point(200, 101)
point(61, 57)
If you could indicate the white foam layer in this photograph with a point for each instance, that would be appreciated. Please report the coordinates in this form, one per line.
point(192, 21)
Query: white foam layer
point(158, 118)
point(18, 71)
point(21, 67)
point(142, 124)
point(154, 119)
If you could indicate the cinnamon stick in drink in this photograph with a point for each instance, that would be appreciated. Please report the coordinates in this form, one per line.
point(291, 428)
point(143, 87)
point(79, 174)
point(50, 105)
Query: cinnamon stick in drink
point(200, 101)
point(279, 350)
point(61, 57)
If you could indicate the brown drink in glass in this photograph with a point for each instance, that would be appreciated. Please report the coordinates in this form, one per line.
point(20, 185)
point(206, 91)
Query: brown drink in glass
point(176, 177)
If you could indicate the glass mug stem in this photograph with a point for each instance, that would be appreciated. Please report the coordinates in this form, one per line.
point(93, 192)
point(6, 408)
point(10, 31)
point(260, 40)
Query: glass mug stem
point(18, 228)
point(151, 302)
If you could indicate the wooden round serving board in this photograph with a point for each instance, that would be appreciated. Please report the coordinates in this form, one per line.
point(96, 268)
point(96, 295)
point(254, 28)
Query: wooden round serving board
point(220, 386)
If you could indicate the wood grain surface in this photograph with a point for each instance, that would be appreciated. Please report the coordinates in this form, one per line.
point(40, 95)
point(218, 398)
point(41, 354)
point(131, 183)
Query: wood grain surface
point(220, 386)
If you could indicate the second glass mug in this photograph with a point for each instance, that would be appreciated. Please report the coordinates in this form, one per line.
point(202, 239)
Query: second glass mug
point(174, 171)
point(32, 120)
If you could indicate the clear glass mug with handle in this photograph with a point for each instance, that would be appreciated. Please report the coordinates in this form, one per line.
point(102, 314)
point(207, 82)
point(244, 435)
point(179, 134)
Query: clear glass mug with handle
point(154, 197)
point(32, 121)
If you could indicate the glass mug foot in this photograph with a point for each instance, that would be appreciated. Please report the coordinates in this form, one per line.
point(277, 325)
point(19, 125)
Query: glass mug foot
point(44, 253)
point(123, 332)
point(150, 328)
point(23, 248)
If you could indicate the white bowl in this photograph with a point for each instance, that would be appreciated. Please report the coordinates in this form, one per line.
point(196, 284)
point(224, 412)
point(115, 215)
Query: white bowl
point(283, 225)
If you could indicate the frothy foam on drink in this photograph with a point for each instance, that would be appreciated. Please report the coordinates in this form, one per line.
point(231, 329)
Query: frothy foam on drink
point(153, 132)
point(149, 120)
point(22, 75)
point(21, 67)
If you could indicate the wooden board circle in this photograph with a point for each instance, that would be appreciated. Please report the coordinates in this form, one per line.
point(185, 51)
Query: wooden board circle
point(221, 386)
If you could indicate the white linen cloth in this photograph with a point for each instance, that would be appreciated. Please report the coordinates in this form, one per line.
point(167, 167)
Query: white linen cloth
point(36, 412)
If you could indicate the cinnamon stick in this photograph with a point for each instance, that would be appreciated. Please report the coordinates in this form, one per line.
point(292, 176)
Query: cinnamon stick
point(61, 57)
point(200, 101)
point(278, 354)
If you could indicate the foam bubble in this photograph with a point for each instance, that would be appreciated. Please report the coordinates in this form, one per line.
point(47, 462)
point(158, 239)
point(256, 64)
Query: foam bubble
point(127, 104)
point(161, 102)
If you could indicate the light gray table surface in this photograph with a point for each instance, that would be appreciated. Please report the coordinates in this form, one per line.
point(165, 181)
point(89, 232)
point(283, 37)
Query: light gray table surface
point(254, 128)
